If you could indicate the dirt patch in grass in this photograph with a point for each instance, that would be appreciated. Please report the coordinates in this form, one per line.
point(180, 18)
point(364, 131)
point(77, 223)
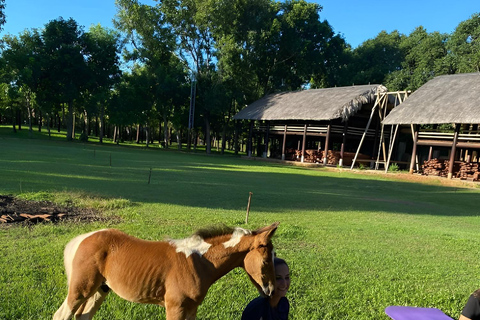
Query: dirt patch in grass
point(14, 210)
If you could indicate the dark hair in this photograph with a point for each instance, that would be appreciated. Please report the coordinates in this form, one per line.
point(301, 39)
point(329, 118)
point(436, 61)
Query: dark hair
point(278, 261)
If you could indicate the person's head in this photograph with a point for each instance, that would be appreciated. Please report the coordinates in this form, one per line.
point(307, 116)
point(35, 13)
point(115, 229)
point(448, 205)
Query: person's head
point(282, 278)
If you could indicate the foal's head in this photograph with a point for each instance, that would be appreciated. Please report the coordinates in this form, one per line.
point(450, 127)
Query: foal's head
point(258, 263)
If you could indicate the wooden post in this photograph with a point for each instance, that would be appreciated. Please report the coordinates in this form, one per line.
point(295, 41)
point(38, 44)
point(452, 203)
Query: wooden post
point(250, 139)
point(342, 148)
point(248, 206)
point(390, 149)
point(303, 143)
point(327, 138)
point(265, 154)
point(364, 134)
point(284, 142)
point(452, 152)
point(414, 151)
point(430, 152)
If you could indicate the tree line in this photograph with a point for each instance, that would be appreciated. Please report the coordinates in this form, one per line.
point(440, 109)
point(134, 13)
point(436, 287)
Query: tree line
point(136, 81)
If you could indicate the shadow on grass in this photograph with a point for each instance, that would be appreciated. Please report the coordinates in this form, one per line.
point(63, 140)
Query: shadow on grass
point(217, 182)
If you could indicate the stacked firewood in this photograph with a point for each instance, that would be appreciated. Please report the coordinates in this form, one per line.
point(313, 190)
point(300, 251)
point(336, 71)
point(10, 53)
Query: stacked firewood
point(468, 171)
point(14, 217)
point(434, 167)
point(333, 157)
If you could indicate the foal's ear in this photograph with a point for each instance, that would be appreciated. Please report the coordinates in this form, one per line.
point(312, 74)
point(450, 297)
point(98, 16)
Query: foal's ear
point(267, 232)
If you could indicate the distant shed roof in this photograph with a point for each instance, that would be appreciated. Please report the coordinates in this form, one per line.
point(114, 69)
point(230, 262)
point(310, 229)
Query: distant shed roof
point(313, 104)
point(444, 99)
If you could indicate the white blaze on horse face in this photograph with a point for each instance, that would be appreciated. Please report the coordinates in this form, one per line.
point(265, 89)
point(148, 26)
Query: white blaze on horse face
point(237, 235)
point(193, 244)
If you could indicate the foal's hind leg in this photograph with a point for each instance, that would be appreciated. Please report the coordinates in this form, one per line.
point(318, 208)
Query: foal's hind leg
point(65, 312)
point(79, 291)
point(88, 309)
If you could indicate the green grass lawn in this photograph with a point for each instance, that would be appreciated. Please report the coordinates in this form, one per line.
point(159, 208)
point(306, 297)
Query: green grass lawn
point(355, 243)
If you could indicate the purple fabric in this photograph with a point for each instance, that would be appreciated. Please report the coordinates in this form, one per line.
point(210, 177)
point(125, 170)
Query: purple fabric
point(414, 313)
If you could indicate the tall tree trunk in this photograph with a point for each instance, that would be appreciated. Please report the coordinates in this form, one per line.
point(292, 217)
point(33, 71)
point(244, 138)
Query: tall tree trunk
point(114, 134)
point(19, 119)
point(160, 131)
point(102, 124)
point(86, 128)
point(137, 140)
point(179, 139)
point(70, 120)
point(40, 119)
point(96, 125)
point(165, 130)
point(63, 113)
point(48, 124)
point(147, 138)
point(29, 110)
point(224, 136)
point(59, 123)
point(14, 120)
point(207, 133)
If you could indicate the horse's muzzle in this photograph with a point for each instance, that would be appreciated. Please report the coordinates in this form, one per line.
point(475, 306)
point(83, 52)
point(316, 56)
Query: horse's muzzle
point(268, 290)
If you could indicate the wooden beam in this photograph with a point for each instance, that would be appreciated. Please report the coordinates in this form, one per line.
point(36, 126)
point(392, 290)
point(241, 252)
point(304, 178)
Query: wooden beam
point(390, 149)
point(452, 152)
point(303, 142)
point(414, 150)
point(344, 139)
point(430, 152)
point(326, 145)
point(265, 153)
point(250, 140)
point(364, 133)
point(284, 142)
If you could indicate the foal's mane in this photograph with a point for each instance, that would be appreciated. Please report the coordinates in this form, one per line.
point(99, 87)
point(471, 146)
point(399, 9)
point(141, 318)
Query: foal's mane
point(214, 231)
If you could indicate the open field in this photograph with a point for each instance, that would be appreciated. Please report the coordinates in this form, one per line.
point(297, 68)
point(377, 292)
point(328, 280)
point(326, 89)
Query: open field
point(356, 243)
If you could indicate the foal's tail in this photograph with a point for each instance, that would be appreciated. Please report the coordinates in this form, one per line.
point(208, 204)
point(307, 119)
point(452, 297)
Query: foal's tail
point(70, 250)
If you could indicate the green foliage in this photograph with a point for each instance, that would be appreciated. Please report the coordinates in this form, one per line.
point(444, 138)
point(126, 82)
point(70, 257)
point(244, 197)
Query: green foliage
point(393, 168)
point(425, 57)
point(464, 44)
point(376, 58)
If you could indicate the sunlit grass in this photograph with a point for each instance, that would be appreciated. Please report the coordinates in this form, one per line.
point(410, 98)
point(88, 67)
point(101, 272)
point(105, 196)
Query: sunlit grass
point(356, 243)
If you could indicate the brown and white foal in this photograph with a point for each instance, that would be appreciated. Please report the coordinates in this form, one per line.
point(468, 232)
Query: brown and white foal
point(175, 274)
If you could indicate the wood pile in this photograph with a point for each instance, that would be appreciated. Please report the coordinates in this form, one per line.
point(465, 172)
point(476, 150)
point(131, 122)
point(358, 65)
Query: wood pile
point(315, 156)
point(35, 218)
point(439, 168)
point(468, 171)
point(434, 167)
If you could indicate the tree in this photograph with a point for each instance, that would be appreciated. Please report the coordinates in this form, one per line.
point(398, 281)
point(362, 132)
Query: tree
point(101, 54)
point(375, 58)
point(425, 55)
point(23, 57)
point(152, 46)
point(65, 65)
point(3, 18)
point(464, 45)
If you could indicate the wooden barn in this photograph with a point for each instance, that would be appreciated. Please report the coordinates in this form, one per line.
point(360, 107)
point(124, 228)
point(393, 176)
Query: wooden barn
point(334, 126)
point(443, 118)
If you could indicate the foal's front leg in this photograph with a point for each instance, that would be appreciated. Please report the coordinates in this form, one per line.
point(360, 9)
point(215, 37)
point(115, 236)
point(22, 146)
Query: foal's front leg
point(177, 311)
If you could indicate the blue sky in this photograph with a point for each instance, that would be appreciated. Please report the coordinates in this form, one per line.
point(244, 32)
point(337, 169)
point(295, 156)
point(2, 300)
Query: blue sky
point(356, 20)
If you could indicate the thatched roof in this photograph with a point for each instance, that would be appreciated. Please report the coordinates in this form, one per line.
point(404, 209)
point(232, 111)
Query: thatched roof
point(313, 104)
point(444, 99)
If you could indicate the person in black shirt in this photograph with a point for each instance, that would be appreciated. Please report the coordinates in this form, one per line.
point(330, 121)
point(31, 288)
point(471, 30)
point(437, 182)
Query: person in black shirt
point(471, 311)
point(275, 307)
